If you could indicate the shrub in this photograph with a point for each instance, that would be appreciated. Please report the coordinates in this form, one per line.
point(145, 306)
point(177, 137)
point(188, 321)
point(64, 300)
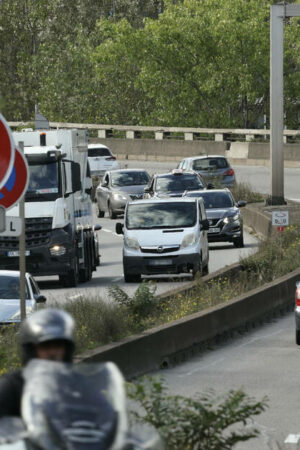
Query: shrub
point(243, 191)
point(204, 422)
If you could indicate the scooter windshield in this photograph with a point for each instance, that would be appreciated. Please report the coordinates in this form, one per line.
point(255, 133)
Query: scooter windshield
point(70, 407)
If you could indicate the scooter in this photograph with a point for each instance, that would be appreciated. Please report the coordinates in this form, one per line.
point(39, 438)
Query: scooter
point(74, 407)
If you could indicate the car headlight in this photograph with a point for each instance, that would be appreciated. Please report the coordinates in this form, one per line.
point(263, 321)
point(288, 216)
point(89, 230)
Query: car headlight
point(231, 218)
point(58, 250)
point(131, 243)
point(188, 240)
point(120, 197)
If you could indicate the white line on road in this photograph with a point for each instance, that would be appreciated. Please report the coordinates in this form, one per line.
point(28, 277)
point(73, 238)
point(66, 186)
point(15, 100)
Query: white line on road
point(73, 297)
point(116, 279)
point(191, 372)
point(112, 232)
point(250, 341)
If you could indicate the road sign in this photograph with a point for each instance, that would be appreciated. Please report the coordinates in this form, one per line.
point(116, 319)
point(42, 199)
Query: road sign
point(280, 218)
point(7, 151)
point(2, 219)
point(13, 226)
point(16, 185)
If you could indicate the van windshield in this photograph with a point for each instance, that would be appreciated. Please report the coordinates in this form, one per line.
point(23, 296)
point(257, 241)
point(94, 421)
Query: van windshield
point(161, 215)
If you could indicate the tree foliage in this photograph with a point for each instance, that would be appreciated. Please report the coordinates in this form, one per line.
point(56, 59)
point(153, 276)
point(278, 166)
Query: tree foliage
point(186, 62)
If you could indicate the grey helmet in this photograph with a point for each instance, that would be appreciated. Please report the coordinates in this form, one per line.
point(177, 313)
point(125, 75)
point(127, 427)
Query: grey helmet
point(47, 325)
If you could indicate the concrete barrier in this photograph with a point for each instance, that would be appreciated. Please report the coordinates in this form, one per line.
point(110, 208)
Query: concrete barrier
point(165, 345)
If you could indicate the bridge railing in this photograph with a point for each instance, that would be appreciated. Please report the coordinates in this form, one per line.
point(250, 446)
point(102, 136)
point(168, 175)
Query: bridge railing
point(160, 133)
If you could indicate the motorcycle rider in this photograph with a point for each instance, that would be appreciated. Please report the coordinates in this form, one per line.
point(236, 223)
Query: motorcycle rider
point(46, 334)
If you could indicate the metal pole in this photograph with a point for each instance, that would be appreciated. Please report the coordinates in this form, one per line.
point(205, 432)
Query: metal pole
point(22, 250)
point(276, 105)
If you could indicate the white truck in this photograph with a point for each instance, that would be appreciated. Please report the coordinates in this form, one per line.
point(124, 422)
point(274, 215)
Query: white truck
point(61, 238)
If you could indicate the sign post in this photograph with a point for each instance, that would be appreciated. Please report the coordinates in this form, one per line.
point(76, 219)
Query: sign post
point(2, 219)
point(22, 250)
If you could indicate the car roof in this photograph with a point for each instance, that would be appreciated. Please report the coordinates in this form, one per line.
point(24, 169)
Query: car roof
point(163, 200)
point(12, 273)
point(127, 170)
point(98, 146)
point(205, 157)
point(210, 190)
point(177, 174)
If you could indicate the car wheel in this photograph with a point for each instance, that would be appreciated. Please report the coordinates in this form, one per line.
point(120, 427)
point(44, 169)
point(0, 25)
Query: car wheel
point(298, 337)
point(132, 278)
point(100, 212)
point(111, 213)
point(239, 242)
point(197, 268)
point(205, 270)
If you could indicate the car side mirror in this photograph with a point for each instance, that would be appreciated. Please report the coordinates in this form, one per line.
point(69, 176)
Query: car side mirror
point(147, 190)
point(119, 228)
point(104, 184)
point(40, 298)
point(241, 203)
point(97, 227)
point(204, 224)
point(210, 186)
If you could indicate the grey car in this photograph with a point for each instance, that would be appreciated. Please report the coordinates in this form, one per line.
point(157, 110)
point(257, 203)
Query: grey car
point(223, 214)
point(213, 168)
point(10, 296)
point(119, 187)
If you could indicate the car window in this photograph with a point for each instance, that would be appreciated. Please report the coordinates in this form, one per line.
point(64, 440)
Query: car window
point(94, 152)
point(34, 287)
point(129, 178)
point(184, 182)
point(215, 199)
point(210, 164)
point(160, 215)
point(10, 288)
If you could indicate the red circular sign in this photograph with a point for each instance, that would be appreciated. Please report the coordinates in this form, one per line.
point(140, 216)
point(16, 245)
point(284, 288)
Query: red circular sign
point(7, 151)
point(16, 185)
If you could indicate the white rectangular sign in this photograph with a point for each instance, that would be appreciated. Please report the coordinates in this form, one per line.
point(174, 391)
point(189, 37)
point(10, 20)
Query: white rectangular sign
point(280, 218)
point(13, 226)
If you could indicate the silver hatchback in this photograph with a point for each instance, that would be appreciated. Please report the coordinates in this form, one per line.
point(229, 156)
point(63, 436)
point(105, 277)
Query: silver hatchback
point(213, 168)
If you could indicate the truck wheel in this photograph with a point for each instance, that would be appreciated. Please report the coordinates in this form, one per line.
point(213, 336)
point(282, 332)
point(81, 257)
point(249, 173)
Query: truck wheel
point(111, 213)
point(197, 268)
point(100, 212)
point(298, 337)
point(85, 274)
point(71, 279)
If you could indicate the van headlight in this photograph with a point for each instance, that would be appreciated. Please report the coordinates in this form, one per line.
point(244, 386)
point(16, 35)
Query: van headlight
point(188, 240)
point(120, 197)
point(230, 219)
point(131, 243)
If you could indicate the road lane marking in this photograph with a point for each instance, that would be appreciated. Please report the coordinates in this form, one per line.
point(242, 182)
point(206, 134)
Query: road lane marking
point(74, 297)
point(112, 232)
point(191, 372)
point(292, 439)
point(250, 341)
point(116, 279)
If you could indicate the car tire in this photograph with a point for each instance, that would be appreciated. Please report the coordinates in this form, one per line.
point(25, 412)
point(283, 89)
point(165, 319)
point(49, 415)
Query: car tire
point(205, 270)
point(298, 337)
point(132, 278)
point(197, 268)
point(239, 242)
point(111, 213)
point(72, 278)
point(100, 212)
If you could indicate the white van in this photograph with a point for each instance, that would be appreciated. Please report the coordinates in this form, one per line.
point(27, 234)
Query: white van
point(101, 159)
point(164, 236)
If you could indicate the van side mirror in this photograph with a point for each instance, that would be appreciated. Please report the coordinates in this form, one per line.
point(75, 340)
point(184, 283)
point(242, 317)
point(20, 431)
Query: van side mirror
point(119, 228)
point(210, 186)
point(40, 298)
point(76, 176)
point(147, 190)
point(204, 224)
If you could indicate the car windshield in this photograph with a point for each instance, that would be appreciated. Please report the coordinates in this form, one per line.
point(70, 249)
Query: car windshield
point(10, 288)
point(214, 199)
point(161, 215)
point(130, 178)
point(94, 152)
point(183, 182)
point(210, 164)
point(43, 178)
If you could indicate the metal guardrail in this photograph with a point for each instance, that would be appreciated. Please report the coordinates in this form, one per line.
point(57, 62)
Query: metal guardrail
point(159, 133)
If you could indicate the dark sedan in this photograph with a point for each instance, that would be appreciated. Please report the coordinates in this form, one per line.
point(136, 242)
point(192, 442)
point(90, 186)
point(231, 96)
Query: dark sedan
point(119, 187)
point(224, 216)
point(174, 184)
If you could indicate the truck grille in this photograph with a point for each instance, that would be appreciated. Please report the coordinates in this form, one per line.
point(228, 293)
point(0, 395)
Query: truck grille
point(160, 249)
point(37, 232)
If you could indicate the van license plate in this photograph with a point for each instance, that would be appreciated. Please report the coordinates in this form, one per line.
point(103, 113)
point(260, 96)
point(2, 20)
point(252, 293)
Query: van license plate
point(214, 230)
point(160, 262)
point(17, 253)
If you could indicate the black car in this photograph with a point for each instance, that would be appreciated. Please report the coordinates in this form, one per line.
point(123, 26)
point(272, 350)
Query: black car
point(224, 216)
point(174, 184)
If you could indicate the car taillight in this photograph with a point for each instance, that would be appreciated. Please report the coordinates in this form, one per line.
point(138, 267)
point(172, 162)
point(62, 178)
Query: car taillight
point(297, 296)
point(110, 158)
point(229, 172)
